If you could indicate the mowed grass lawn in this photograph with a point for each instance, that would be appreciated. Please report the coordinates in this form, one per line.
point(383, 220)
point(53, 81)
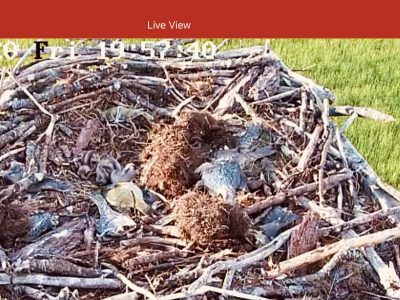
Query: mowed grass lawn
point(360, 72)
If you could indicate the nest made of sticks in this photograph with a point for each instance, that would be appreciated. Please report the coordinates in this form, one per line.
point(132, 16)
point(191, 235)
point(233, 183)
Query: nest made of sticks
point(306, 219)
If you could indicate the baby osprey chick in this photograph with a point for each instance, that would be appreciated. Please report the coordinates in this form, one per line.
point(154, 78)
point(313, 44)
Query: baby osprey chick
point(223, 178)
point(110, 170)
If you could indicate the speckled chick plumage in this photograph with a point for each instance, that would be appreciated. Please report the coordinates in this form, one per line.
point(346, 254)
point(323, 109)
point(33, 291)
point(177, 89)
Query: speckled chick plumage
point(250, 136)
point(245, 159)
point(111, 222)
point(223, 178)
point(40, 223)
point(109, 170)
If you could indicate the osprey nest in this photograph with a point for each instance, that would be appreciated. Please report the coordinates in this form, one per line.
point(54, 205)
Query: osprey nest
point(146, 178)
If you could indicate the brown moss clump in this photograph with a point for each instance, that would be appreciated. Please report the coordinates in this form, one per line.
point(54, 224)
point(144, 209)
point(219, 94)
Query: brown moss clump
point(205, 220)
point(175, 151)
point(14, 223)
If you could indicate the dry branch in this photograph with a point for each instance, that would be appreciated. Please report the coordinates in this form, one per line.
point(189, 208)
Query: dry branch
point(343, 245)
point(364, 112)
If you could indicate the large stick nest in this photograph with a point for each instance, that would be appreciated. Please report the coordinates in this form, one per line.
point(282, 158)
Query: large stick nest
point(242, 185)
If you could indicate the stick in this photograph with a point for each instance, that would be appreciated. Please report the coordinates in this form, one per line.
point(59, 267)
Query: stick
point(25, 90)
point(312, 144)
point(243, 261)
point(200, 291)
point(324, 155)
point(377, 215)
point(130, 284)
point(364, 112)
point(387, 274)
point(181, 105)
point(22, 59)
point(152, 240)
point(207, 288)
point(49, 131)
point(226, 101)
point(303, 111)
point(276, 97)
point(343, 245)
point(3, 74)
point(348, 122)
point(15, 133)
point(61, 281)
point(10, 153)
point(329, 183)
point(223, 91)
point(34, 293)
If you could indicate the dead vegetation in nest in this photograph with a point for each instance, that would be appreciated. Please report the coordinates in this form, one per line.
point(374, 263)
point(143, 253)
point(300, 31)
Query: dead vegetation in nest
point(207, 220)
point(75, 131)
point(201, 218)
point(175, 151)
point(14, 223)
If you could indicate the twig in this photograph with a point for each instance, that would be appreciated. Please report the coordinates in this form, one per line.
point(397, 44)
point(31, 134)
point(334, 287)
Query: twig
point(329, 183)
point(12, 152)
point(303, 111)
point(309, 150)
point(348, 122)
point(340, 199)
point(180, 106)
point(152, 240)
point(22, 59)
point(276, 97)
point(223, 91)
point(61, 281)
point(324, 155)
point(367, 218)
point(129, 283)
point(3, 74)
point(25, 90)
point(249, 111)
point(205, 289)
point(49, 131)
point(326, 269)
point(242, 261)
point(226, 101)
point(387, 274)
point(343, 245)
point(364, 112)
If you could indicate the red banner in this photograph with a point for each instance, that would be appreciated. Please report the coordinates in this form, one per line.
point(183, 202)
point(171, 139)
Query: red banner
point(127, 18)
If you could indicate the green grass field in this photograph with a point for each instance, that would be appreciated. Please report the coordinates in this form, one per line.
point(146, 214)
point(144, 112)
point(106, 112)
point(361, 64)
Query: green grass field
point(360, 72)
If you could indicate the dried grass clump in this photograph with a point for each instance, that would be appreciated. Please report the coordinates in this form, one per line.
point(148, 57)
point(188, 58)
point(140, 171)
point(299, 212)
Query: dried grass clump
point(14, 223)
point(201, 218)
point(205, 219)
point(175, 151)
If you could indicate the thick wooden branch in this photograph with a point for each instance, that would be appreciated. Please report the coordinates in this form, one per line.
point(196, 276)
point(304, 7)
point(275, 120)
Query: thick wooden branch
point(61, 281)
point(326, 251)
point(329, 183)
point(364, 112)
